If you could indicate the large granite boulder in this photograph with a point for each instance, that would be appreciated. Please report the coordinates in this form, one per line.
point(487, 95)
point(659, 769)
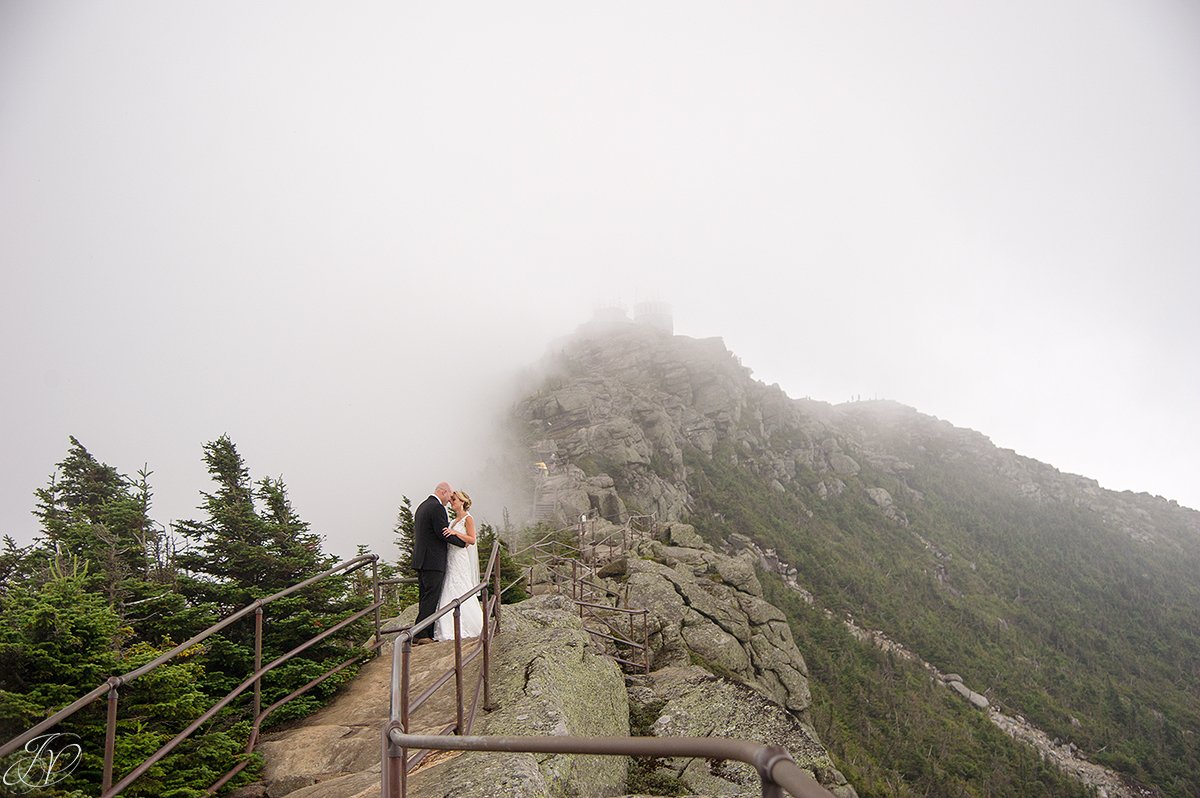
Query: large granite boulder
point(692, 702)
point(546, 680)
point(707, 608)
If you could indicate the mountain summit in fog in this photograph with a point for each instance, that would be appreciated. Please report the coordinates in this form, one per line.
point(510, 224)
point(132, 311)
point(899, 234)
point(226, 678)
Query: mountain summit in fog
point(1061, 602)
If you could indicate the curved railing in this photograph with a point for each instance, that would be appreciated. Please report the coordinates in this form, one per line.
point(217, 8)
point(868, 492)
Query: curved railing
point(111, 687)
point(776, 768)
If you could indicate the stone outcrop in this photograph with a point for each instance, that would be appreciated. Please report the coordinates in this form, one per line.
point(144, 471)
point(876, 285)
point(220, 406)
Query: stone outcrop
point(768, 560)
point(707, 608)
point(546, 681)
point(1068, 758)
point(689, 701)
point(682, 430)
point(976, 700)
point(567, 493)
point(883, 500)
point(724, 662)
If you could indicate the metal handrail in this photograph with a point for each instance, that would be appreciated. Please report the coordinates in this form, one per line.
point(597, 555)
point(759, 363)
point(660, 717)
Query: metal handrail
point(618, 636)
point(396, 762)
point(775, 766)
point(546, 538)
point(554, 565)
point(111, 686)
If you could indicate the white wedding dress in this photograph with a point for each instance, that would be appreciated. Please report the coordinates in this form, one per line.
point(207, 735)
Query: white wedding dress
point(462, 574)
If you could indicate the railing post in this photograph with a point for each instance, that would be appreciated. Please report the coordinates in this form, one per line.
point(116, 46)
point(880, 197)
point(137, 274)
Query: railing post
point(110, 736)
point(496, 586)
point(485, 639)
point(405, 656)
point(765, 761)
point(646, 638)
point(405, 664)
point(458, 670)
point(258, 637)
point(390, 780)
point(376, 595)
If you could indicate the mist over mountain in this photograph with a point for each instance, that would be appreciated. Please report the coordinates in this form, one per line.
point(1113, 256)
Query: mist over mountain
point(1073, 606)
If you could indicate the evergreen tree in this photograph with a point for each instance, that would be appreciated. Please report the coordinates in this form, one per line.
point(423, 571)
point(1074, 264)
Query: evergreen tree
point(511, 571)
point(89, 512)
point(406, 594)
point(13, 564)
point(404, 538)
point(94, 597)
point(93, 514)
point(241, 553)
point(229, 564)
point(59, 640)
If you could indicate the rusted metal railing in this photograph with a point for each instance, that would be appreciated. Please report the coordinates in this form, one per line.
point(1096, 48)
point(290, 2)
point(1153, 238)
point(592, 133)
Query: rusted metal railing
point(776, 768)
point(617, 637)
point(574, 565)
point(396, 761)
point(111, 687)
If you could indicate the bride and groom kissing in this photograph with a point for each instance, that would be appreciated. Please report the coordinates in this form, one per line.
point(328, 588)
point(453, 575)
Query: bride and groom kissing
point(447, 564)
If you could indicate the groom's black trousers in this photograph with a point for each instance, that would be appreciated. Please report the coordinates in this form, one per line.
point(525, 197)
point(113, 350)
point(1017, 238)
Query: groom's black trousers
point(429, 592)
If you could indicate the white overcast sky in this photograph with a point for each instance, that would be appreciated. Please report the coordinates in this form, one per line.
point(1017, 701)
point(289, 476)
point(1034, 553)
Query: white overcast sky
point(331, 230)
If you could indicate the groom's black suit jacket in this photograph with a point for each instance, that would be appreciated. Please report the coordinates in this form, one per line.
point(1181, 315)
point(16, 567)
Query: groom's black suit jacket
point(429, 544)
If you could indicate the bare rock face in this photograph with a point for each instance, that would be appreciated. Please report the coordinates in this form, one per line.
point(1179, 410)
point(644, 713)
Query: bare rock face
point(724, 660)
point(843, 465)
point(691, 702)
point(707, 608)
point(628, 404)
point(883, 500)
point(545, 681)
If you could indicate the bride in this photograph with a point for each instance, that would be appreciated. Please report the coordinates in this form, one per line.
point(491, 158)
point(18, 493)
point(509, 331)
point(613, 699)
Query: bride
point(462, 574)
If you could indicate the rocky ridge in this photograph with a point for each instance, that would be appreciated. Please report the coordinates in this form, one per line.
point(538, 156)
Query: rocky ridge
point(633, 420)
point(549, 679)
point(627, 403)
point(724, 662)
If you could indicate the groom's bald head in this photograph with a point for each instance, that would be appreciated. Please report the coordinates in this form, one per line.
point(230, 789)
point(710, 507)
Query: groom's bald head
point(443, 491)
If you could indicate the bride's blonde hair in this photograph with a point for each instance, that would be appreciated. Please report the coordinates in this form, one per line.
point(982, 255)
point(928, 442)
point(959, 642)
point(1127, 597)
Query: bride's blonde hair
point(464, 498)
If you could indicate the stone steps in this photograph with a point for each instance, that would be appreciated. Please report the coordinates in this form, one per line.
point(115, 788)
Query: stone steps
point(334, 753)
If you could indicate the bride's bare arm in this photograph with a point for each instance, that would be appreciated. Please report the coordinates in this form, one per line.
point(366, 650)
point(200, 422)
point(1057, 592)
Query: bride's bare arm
point(468, 535)
point(464, 538)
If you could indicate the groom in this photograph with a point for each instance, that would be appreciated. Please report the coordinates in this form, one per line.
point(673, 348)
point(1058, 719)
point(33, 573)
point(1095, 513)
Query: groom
point(429, 554)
